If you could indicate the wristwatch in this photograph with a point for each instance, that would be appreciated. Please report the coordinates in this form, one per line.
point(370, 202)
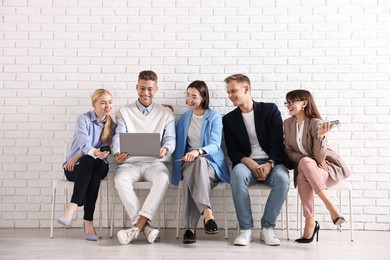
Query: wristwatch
point(200, 151)
point(272, 163)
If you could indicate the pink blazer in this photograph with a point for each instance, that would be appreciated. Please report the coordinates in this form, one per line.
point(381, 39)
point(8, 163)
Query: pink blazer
point(316, 149)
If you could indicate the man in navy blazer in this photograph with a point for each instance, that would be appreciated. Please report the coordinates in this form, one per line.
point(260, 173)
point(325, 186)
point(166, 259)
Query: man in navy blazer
point(254, 140)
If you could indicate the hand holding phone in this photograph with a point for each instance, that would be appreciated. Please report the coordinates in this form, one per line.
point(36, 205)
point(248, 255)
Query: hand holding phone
point(332, 123)
point(105, 148)
point(325, 127)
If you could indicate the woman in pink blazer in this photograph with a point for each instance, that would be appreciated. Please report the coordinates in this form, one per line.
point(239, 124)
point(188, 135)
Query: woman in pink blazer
point(316, 165)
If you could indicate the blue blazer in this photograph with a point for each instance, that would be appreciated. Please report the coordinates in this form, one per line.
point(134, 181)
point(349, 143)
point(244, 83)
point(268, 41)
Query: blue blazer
point(210, 139)
point(269, 131)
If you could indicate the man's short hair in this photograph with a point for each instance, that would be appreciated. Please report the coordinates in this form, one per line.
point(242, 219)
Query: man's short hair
point(147, 75)
point(240, 78)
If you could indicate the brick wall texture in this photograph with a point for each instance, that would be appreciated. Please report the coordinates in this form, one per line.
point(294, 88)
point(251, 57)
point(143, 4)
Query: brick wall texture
point(54, 53)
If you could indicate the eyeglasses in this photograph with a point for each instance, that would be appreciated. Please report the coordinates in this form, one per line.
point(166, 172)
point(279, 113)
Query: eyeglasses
point(291, 102)
point(147, 89)
point(192, 97)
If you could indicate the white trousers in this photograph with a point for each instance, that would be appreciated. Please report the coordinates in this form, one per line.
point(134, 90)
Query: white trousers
point(129, 173)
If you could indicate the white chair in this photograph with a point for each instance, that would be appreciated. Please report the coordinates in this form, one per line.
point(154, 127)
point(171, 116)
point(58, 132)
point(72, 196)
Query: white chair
point(143, 185)
point(65, 184)
point(339, 188)
point(221, 186)
point(261, 187)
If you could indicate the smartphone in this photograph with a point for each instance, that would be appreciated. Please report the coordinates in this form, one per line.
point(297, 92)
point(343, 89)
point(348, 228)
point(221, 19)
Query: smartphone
point(333, 123)
point(105, 148)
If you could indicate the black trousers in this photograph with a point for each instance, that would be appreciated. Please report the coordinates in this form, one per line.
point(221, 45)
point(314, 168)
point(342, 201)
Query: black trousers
point(86, 177)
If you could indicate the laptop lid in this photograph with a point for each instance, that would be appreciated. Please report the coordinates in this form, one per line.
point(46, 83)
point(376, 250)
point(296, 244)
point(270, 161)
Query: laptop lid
point(140, 144)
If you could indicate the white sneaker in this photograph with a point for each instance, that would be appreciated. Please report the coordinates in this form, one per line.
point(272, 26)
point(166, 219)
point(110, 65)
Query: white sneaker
point(268, 237)
point(126, 236)
point(151, 233)
point(244, 238)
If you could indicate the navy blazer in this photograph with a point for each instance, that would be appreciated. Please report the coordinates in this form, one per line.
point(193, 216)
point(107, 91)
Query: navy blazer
point(269, 131)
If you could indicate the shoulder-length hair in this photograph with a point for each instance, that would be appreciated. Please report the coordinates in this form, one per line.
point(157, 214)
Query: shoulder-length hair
point(201, 86)
point(311, 110)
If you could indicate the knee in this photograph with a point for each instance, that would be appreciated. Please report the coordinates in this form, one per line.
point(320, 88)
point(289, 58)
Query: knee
point(161, 180)
point(281, 177)
point(239, 174)
point(302, 178)
point(304, 162)
point(120, 183)
point(200, 160)
point(165, 179)
point(88, 160)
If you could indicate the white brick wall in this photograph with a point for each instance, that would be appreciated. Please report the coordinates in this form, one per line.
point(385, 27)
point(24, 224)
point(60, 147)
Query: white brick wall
point(54, 53)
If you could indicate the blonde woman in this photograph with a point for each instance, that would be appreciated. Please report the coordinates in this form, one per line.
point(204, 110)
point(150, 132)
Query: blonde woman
point(86, 165)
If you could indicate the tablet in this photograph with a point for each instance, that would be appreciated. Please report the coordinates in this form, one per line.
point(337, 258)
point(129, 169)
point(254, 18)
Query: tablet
point(140, 144)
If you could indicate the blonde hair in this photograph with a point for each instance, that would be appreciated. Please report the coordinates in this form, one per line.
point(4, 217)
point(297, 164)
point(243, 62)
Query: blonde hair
point(106, 136)
point(240, 78)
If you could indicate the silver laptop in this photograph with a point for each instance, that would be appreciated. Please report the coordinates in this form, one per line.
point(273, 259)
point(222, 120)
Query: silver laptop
point(140, 144)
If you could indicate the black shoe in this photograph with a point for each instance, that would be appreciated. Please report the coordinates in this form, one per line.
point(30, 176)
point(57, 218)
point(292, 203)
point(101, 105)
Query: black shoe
point(189, 237)
point(210, 227)
point(338, 221)
point(309, 240)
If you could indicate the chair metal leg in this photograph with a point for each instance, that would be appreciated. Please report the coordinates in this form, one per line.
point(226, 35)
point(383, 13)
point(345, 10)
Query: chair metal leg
point(350, 215)
point(339, 194)
point(163, 216)
point(282, 217)
point(123, 216)
point(287, 220)
point(112, 213)
point(178, 212)
point(298, 212)
point(107, 205)
point(301, 219)
point(100, 212)
point(52, 212)
point(225, 213)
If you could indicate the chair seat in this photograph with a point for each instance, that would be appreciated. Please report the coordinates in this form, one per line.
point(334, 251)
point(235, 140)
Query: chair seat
point(341, 185)
point(62, 183)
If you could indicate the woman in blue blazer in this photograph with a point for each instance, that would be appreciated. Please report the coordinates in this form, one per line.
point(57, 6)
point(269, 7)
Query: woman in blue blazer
point(199, 160)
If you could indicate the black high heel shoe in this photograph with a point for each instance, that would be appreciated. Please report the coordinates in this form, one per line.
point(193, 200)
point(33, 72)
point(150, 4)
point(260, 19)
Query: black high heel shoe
point(309, 240)
point(338, 221)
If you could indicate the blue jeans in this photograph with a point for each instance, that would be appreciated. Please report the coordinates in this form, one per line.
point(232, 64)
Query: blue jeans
point(242, 178)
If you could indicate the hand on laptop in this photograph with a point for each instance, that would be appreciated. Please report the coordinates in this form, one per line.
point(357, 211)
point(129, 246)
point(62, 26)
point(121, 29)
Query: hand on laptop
point(163, 152)
point(121, 157)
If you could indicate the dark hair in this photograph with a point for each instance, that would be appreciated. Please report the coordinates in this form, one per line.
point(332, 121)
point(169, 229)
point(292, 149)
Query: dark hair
point(203, 90)
point(311, 110)
point(240, 78)
point(147, 75)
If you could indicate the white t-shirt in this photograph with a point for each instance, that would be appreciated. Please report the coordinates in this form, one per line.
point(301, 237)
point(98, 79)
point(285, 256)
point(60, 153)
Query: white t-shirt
point(256, 151)
point(194, 132)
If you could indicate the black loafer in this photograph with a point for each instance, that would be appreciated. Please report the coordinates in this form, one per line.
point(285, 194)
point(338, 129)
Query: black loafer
point(210, 227)
point(189, 237)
